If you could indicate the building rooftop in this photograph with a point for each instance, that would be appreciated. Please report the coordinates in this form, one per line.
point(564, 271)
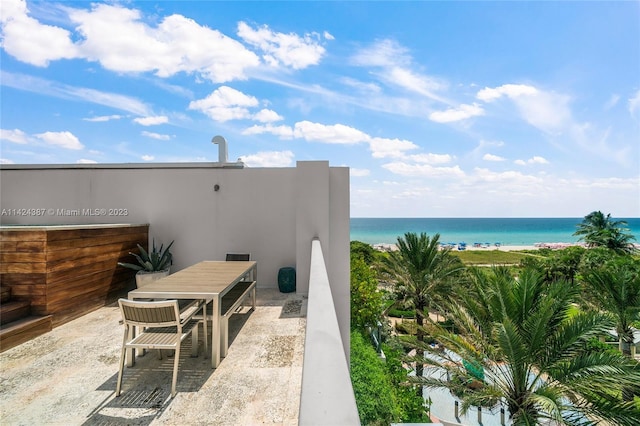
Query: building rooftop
point(68, 376)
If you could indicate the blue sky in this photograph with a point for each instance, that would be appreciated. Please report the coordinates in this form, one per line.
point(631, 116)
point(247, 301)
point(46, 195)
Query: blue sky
point(440, 109)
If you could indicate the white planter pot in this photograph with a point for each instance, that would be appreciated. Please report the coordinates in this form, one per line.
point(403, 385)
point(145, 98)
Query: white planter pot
point(144, 278)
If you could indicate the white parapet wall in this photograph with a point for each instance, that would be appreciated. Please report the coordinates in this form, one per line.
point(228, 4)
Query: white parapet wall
point(209, 209)
point(327, 396)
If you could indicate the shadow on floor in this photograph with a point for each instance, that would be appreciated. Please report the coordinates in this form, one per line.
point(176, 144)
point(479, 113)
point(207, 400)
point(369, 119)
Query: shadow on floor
point(146, 387)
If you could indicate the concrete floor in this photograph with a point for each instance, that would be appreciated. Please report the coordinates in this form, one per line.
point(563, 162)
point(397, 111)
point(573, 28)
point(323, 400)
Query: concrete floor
point(68, 376)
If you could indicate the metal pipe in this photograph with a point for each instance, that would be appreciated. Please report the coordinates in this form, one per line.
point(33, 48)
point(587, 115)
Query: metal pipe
point(222, 148)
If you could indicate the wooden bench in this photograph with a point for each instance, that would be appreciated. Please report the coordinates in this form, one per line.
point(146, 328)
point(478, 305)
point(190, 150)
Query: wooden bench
point(230, 303)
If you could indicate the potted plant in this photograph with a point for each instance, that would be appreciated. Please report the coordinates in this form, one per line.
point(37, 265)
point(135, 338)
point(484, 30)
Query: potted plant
point(152, 265)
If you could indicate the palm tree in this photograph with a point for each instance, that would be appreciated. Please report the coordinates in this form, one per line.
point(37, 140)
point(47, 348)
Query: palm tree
point(598, 230)
point(533, 354)
point(617, 290)
point(423, 274)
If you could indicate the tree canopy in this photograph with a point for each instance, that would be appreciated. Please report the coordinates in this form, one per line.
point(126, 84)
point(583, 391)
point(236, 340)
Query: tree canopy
point(534, 353)
point(598, 230)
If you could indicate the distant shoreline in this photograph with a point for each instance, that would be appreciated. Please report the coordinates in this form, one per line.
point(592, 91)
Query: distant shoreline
point(521, 233)
point(500, 247)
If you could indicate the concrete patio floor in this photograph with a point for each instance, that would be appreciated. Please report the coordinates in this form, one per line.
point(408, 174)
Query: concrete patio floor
point(68, 376)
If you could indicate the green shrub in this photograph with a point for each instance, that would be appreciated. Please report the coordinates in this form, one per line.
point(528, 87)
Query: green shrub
point(399, 313)
point(411, 404)
point(371, 384)
point(381, 387)
point(366, 299)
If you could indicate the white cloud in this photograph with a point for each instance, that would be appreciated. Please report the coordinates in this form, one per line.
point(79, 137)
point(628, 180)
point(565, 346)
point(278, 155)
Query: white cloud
point(613, 101)
point(463, 112)
point(85, 161)
point(390, 148)
point(394, 64)
point(510, 90)
point(484, 143)
point(157, 136)
point(103, 118)
point(121, 41)
point(382, 53)
point(15, 136)
point(148, 158)
point(269, 159)
point(284, 132)
point(6, 161)
point(65, 140)
point(423, 170)
point(360, 85)
point(267, 116)
point(225, 104)
point(290, 50)
point(413, 81)
point(355, 172)
point(634, 105)
point(510, 179)
point(63, 91)
point(550, 112)
point(546, 111)
point(29, 41)
point(491, 157)
point(538, 160)
point(533, 160)
point(336, 133)
point(431, 158)
point(151, 121)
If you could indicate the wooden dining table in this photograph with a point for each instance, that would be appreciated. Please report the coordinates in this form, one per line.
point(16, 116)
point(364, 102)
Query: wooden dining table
point(206, 280)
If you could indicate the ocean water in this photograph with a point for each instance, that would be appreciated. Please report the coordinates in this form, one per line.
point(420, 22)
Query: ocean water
point(506, 231)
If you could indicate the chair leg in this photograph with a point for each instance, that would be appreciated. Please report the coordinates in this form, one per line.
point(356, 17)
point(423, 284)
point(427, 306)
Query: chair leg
point(123, 354)
point(175, 370)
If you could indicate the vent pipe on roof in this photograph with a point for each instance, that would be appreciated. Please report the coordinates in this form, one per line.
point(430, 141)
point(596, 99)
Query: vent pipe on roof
point(222, 148)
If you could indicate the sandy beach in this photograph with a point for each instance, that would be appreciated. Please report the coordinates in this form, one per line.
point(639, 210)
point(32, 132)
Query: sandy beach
point(393, 247)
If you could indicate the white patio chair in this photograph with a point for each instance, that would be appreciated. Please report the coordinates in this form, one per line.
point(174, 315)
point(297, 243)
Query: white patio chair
point(160, 325)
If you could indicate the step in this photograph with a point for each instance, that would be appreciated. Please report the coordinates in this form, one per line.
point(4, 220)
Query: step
point(14, 310)
point(23, 330)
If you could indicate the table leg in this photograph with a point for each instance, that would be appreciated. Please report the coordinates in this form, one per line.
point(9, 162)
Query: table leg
point(215, 332)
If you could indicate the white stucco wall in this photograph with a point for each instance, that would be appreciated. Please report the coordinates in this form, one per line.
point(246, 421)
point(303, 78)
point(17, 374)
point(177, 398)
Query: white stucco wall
point(273, 213)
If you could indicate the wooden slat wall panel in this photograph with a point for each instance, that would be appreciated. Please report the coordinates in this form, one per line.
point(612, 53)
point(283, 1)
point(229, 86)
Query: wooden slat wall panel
point(23, 235)
point(129, 239)
point(69, 272)
point(22, 246)
point(70, 234)
point(25, 279)
point(23, 268)
point(20, 257)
